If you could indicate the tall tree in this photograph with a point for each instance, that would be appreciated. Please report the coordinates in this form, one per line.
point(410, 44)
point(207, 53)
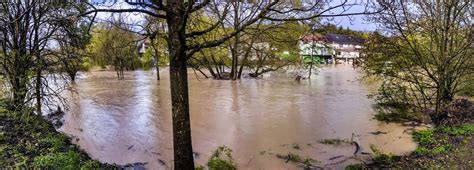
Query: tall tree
point(26, 36)
point(114, 45)
point(428, 55)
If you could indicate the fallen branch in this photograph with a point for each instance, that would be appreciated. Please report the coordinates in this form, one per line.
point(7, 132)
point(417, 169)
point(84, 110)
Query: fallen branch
point(336, 157)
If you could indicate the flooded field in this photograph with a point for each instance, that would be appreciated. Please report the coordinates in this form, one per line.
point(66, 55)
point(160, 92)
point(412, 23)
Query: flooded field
point(129, 121)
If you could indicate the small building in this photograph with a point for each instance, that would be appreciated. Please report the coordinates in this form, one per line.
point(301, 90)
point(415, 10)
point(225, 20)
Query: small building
point(346, 47)
point(315, 48)
point(330, 48)
point(143, 45)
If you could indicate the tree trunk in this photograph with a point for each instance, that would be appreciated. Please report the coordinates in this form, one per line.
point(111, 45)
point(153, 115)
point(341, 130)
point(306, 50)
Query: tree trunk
point(38, 91)
point(18, 79)
point(157, 60)
point(182, 144)
point(157, 66)
point(235, 46)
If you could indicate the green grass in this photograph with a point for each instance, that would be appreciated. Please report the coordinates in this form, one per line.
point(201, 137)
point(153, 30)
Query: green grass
point(445, 147)
point(31, 142)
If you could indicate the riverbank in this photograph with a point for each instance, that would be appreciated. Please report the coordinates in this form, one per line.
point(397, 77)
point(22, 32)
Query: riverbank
point(28, 141)
point(448, 145)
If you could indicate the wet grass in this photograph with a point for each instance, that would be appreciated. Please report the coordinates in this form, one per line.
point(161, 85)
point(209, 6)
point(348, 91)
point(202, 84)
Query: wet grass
point(445, 147)
point(394, 112)
point(31, 142)
point(221, 158)
point(306, 162)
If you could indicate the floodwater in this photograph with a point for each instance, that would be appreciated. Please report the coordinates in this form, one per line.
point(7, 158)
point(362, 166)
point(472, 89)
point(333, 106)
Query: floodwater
point(129, 121)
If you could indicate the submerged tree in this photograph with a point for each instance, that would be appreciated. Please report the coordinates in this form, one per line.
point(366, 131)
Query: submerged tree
point(428, 55)
point(113, 45)
point(72, 39)
point(26, 42)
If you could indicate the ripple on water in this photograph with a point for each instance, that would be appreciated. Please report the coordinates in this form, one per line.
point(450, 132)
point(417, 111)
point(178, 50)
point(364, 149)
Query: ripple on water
point(130, 121)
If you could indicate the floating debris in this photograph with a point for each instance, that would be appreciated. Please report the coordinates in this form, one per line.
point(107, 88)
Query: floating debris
point(332, 158)
point(378, 133)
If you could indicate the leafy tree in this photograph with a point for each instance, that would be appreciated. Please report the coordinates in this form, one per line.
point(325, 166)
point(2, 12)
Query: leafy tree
point(114, 45)
point(428, 55)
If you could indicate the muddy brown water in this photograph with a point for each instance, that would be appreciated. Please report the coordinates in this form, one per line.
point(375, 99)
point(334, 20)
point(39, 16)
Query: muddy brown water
point(129, 121)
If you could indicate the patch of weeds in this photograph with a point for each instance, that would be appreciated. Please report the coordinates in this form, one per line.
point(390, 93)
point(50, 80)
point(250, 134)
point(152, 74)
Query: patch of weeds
point(307, 162)
point(199, 167)
point(53, 142)
point(90, 164)
point(424, 137)
point(380, 157)
point(69, 160)
point(355, 167)
point(421, 151)
point(296, 146)
point(441, 149)
point(290, 157)
point(335, 141)
point(218, 162)
point(462, 130)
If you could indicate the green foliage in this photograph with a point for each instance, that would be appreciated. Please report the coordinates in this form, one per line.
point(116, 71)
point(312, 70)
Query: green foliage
point(424, 137)
point(437, 141)
point(354, 167)
point(54, 143)
point(441, 149)
point(468, 88)
point(462, 130)
point(429, 64)
point(421, 151)
point(147, 59)
point(199, 167)
point(33, 142)
point(290, 157)
point(307, 162)
point(68, 160)
point(221, 159)
point(111, 45)
point(331, 28)
point(379, 156)
point(393, 103)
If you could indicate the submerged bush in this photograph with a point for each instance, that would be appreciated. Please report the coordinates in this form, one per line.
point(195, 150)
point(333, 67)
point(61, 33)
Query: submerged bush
point(221, 159)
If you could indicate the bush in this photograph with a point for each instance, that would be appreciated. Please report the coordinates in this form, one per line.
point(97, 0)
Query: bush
point(218, 161)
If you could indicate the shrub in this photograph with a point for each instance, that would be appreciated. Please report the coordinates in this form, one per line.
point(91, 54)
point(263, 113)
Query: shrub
point(218, 161)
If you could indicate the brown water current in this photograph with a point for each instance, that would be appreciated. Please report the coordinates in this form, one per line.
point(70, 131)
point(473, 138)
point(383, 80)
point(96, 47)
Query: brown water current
point(129, 121)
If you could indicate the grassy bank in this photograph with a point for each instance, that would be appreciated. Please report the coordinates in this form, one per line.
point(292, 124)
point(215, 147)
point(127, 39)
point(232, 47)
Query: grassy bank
point(31, 142)
point(448, 145)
